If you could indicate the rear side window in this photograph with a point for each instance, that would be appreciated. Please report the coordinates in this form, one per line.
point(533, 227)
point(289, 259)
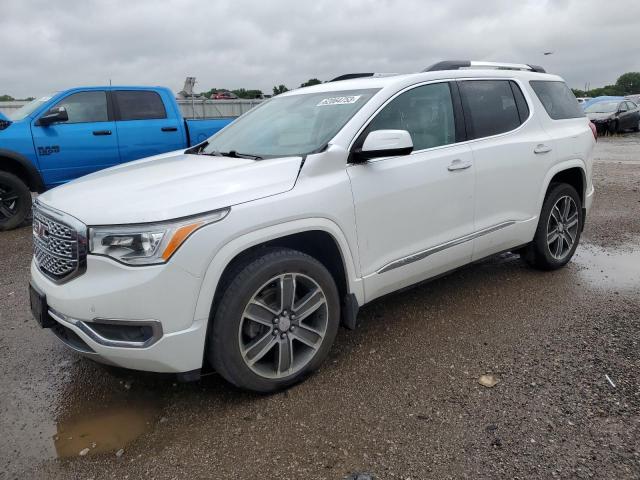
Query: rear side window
point(490, 107)
point(139, 105)
point(426, 112)
point(558, 99)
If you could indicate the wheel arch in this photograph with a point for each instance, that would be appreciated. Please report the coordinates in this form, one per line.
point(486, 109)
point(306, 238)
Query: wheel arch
point(320, 238)
point(572, 172)
point(22, 168)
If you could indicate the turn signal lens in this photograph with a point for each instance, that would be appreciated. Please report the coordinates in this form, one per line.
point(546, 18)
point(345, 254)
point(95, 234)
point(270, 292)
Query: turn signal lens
point(180, 235)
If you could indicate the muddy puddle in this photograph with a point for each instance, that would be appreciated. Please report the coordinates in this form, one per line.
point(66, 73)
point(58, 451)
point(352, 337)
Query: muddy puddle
point(609, 269)
point(104, 430)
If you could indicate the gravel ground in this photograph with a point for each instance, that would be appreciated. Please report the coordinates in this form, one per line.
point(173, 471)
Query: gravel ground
point(398, 398)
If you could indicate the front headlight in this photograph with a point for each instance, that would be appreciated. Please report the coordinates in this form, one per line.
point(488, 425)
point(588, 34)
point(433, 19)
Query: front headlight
point(147, 244)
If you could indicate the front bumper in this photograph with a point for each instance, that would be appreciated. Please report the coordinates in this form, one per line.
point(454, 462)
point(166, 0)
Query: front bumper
point(163, 297)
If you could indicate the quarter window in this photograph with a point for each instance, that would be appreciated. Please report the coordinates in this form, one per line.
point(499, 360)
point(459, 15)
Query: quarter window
point(85, 107)
point(426, 112)
point(139, 105)
point(558, 99)
point(490, 107)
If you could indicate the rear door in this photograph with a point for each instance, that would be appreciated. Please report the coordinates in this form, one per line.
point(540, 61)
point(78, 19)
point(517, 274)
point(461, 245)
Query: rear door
point(510, 151)
point(144, 125)
point(83, 144)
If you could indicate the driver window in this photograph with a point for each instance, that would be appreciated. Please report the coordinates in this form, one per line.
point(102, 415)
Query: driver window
point(622, 107)
point(426, 112)
point(85, 107)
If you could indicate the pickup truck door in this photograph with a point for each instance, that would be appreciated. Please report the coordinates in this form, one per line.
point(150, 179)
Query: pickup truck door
point(86, 142)
point(414, 213)
point(145, 125)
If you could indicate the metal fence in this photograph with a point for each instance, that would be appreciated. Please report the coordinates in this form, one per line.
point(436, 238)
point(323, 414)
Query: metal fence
point(190, 108)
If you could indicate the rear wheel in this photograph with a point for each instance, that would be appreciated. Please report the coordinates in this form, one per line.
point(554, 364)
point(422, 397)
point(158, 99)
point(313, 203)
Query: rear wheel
point(15, 201)
point(275, 322)
point(559, 228)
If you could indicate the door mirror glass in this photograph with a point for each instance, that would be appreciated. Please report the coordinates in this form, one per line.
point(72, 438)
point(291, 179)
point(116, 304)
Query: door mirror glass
point(385, 143)
point(56, 114)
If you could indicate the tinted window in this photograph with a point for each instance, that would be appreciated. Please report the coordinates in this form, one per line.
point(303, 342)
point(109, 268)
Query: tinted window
point(489, 107)
point(558, 99)
point(425, 112)
point(521, 103)
point(139, 105)
point(631, 105)
point(84, 107)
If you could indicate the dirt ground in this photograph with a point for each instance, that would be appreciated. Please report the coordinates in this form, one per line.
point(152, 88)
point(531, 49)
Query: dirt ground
point(397, 398)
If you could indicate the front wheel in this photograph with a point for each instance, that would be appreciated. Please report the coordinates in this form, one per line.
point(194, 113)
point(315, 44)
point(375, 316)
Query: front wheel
point(559, 228)
point(15, 201)
point(275, 322)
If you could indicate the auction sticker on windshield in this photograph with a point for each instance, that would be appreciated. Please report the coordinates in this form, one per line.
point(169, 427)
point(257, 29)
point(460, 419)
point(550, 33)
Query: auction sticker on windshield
point(339, 100)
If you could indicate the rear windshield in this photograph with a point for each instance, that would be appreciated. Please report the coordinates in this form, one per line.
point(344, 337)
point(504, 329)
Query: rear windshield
point(558, 99)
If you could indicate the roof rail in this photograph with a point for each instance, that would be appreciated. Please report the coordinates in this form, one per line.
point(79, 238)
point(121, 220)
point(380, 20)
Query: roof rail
point(458, 64)
point(349, 76)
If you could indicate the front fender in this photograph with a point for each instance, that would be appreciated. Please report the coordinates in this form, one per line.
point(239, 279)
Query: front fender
point(238, 245)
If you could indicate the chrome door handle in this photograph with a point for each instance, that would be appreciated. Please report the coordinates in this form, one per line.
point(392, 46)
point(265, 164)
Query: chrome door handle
point(458, 164)
point(542, 148)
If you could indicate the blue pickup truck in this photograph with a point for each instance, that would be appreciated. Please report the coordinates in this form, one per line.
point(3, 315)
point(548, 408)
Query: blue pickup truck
point(57, 138)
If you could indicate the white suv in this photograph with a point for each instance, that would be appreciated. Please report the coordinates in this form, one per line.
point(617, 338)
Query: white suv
point(246, 252)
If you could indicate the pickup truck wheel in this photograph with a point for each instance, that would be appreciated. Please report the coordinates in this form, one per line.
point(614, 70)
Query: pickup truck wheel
point(275, 322)
point(15, 201)
point(559, 228)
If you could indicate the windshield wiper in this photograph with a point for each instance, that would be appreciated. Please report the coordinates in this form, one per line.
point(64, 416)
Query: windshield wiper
point(233, 154)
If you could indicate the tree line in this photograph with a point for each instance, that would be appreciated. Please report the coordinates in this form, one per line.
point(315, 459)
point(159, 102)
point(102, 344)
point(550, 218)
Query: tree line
point(9, 98)
point(254, 93)
point(627, 84)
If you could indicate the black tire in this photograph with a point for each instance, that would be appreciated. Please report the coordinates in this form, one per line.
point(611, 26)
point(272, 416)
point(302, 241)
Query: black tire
point(538, 253)
point(15, 201)
point(246, 280)
point(613, 127)
point(637, 127)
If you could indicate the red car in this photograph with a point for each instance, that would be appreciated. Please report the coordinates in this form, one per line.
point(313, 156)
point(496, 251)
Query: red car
point(224, 96)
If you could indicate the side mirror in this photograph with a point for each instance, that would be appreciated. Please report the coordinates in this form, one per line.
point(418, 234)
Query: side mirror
point(58, 114)
point(384, 143)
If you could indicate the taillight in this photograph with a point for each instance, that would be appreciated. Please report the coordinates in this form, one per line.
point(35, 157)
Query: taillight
point(594, 130)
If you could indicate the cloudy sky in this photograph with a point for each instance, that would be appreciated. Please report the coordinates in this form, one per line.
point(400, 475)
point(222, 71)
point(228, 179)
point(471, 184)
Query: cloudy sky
point(51, 45)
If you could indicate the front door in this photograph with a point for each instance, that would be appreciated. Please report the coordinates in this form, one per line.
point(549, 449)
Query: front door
point(414, 213)
point(86, 142)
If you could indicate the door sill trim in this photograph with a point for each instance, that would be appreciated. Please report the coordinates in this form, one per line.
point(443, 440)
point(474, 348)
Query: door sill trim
point(414, 257)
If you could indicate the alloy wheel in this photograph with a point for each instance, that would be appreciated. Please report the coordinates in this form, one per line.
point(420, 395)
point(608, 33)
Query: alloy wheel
point(562, 227)
point(283, 325)
point(8, 202)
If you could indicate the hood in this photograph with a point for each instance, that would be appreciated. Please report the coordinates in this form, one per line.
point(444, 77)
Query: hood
point(2, 116)
point(171, 186)
point(600, 116)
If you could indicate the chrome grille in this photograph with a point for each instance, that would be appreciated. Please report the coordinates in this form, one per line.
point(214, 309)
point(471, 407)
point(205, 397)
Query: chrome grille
point(59, 243)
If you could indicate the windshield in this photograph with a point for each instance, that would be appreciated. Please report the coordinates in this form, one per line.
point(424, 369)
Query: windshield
point(602, 107)
point(27, 109)
point(289, 125)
